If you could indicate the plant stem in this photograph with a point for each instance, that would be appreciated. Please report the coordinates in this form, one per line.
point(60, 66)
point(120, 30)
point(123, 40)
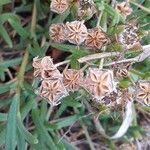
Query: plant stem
point(86, 132)
point(26, 56)
point(140, 6)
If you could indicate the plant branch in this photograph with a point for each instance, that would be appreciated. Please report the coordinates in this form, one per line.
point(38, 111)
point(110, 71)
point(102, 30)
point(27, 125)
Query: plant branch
point(140, 6)
point(139, 58)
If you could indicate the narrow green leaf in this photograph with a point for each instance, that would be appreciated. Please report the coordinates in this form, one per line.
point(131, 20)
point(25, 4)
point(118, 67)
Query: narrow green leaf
point(5, 36)
point(27, 135)
point(42, 130)
point(7, 87)
point(11, 125)
point(21, 144)
point(9, 63)
point(3, 116)
point(3, 2)
point(17, 26)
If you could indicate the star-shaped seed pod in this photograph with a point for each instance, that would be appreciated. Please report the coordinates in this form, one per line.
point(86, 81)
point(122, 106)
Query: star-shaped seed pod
point(96, 38)
point(76, 32)
point(37, 66)
point(47, 63)
point(56, 32)
point(53, 90)
point(123, 8)
point(72, 79)
point(59, 6)
point(44, 67)
point(99, 83)
point(143, 92)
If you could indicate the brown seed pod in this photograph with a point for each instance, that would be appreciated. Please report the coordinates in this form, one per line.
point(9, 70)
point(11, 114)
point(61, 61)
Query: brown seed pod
point(53, 90)
point(43, 67)
point(56, 32)
point(37, 66)
point(59, 6)
point(143, 92)
point(72, 79)
point(99, 83)
point(129, 38)
point(96, 38)
point(121, 70)
point(76, 32)
point(127, 147)
point(47, 63)
point(48, 74)
point(123, 8)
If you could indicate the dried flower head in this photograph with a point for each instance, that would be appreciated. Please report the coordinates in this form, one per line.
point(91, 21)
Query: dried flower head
point(56, 32)
point(122, 70)
point(37, 66)
point(53, 90)
point(59, 6)
point(96, 38)
point(44, 67)
point(76, 32)
point(48, 74)
point(129, 38)
point(99, 83)
point(124, 8)
point(47, 63)
point(72, 79)
point(143, 92)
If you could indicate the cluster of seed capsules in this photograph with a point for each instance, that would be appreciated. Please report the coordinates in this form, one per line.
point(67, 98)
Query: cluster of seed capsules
point(77, 33)
point(99, 83)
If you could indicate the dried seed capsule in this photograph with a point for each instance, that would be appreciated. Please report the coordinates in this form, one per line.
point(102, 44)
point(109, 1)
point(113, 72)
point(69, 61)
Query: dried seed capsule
point(56, 32)
point(59, 6)
point(76, 32)
point(37, 66)
point(72, 79)
point(53, 90)
point(47, 63)
point(129, 38)
point(96, 38)
point(124, 8)
point(99, 83)
point(143, 92)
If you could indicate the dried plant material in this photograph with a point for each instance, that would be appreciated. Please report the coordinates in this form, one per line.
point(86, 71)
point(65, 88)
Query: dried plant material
point(127, 147)
point(72, 79)
point(76, 32)
point(124, 8)
point(56, 32)
point(99, 83)
point(86, 13)
point(48, 74)
point(53, 90)
point(122, 69)
point(85, 4)
point(59, 6)
point(110, 100)
point(129, 38)
point(124, 96)
point(47, 63)
point(37, 66)
point(43, 67)
point(143, 92)
point(96, 38)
